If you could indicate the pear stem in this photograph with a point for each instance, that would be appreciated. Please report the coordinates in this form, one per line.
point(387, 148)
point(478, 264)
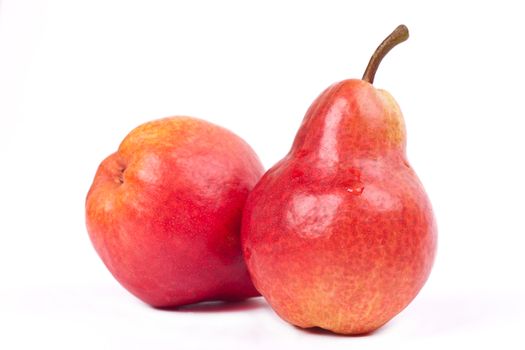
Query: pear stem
point(399, 35)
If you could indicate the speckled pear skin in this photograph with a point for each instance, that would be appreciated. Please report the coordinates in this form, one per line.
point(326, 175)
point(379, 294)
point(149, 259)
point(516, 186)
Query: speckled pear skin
point(164, 212)
point(340, 234)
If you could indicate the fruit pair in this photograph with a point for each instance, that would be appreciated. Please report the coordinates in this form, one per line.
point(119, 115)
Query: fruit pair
point(339, 234)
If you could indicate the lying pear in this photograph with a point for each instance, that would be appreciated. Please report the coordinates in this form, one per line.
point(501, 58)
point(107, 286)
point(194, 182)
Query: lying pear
point(164, 212)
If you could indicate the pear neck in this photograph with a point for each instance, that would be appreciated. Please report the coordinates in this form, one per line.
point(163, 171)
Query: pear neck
point(351, 119)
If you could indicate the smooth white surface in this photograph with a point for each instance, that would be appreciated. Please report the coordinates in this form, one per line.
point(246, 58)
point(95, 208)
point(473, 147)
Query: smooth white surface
point(76, 76)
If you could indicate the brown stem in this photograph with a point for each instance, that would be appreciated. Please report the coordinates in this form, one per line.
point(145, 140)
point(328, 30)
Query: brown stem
point(399, 35)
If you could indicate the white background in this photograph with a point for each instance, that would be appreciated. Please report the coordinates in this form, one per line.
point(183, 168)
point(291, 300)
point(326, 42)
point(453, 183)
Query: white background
point(77, 76)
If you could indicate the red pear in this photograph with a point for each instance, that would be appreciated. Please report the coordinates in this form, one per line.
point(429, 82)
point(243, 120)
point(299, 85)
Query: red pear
point(164, 212)
point(340, 233)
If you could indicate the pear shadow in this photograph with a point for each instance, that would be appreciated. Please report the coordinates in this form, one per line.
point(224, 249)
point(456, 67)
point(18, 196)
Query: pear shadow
point(327, 333)
point(218, 306)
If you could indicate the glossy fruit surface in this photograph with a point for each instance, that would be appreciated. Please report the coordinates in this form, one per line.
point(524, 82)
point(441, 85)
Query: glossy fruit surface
point(340, 234)
point(164, 212)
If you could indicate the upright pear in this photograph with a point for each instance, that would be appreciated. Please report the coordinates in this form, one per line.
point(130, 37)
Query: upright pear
point(340, 234)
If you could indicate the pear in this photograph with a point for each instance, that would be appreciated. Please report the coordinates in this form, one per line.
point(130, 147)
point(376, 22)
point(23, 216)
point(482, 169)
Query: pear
point(340, 234)
point(164, 212)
